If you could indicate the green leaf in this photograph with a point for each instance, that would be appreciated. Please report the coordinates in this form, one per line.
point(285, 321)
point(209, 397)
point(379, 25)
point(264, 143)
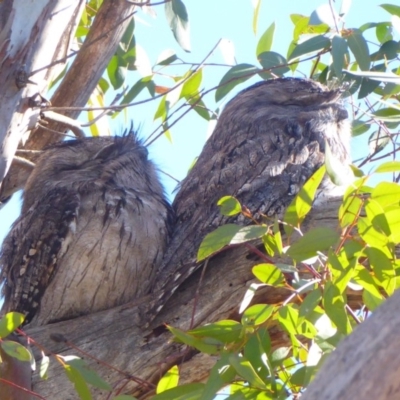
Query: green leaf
point(87, 374)
point(248, 233)
point(206, 345)
point(387, 114)
point(190, 87)
point(392, 9)
point(312, 45)
point(288, 318)
point(178, 20)
point(302, 203)
point(221, 374)
point(371, 300)
point(378, 141)
point(339, 51)
point(166, 57)
point(124, 397)
point(246, 371)
point(79, 383)
point(265, 42)
point(318, 239)
point(334, 306)
point(303, 376)
point(199, 106)
point(371, 294)
point(226, 331)
point(162, 110)
point(116, 71)
point(311, 301)
point(273, 61)
point(257, 351)
point(169, 380)
point(379, 76)
point(359, 127)
point(359, 48)
point(257, 314)
point(16, 350)
point(136, 89)
point(268, 274)
point(387, 194)
point(10, 322)
point(236, 75)
point(383, 268)
point(350, 210)
point(229, 206)
point(216, 240)
point(369, 234)
point(191, 391)
point(44, 366)
point(339, 172)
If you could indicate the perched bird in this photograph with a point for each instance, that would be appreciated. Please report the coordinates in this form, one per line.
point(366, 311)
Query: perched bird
point(268, 141)
point(93, 229)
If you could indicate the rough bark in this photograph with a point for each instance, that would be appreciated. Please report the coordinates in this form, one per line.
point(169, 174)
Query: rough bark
point(366, 365)
point(116, 336)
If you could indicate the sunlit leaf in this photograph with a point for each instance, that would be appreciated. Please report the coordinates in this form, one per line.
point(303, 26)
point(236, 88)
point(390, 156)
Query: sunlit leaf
point(44, 366)
point(192, 84)
point(311, 301)
point(225, 331)
point(302, 203)
point(391, 8)
point(265, 42)
point(246, 370)
point(256, 5)
point(178, 20)
point(317, 239)
point(79, 383)
point(257, 314)
point(16, 350)
point(288, 318)
point(229, 206)
point(383, 268)
point(268, 274)
point(10, 322)
point(205, 345)
point(169, 380)
point(334, 306)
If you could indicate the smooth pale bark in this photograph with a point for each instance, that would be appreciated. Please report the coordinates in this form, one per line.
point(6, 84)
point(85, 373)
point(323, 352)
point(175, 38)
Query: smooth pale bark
point(74, 91)
point(31, 38)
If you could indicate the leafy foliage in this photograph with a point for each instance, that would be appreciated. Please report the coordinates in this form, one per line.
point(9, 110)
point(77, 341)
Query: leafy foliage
point(319, 266)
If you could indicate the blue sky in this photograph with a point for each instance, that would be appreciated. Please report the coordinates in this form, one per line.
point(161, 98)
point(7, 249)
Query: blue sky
point(210, 21)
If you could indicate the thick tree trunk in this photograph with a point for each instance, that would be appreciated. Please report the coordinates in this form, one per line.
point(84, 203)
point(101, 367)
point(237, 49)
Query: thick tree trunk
point(116, 338)
point(366, 365)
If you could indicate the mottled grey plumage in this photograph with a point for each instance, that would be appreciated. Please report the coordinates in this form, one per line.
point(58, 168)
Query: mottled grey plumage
point(268, 141)
point(93, 228)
